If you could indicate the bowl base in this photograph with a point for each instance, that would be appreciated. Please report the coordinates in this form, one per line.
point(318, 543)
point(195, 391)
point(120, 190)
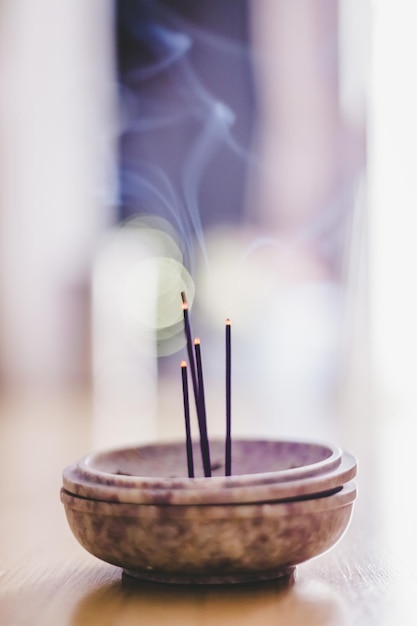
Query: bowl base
point(215, 579)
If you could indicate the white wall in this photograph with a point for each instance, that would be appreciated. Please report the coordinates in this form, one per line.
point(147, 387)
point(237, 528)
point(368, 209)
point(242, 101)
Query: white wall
point(56, 116)
point(393, 204)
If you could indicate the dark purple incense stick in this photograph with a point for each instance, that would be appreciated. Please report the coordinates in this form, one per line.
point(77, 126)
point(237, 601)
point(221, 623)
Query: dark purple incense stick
point(228, 451)
point(189, 445)
point(190, 352)
point(200, 405)
point(201, 411)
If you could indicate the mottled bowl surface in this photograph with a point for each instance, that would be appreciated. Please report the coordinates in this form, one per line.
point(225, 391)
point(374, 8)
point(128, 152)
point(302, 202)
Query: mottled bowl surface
point(225, 490)
point(209, 543)
point(163, 465)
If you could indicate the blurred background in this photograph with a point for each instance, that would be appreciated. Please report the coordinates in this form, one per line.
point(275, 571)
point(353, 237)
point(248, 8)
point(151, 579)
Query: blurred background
point(258, 156)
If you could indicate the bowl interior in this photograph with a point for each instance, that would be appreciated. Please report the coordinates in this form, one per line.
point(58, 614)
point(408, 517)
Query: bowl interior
point(252, 460)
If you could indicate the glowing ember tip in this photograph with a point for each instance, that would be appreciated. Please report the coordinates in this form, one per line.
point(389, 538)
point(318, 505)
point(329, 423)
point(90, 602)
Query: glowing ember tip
point(184, 306)
point(183, 364)
point(196, 341)
point(228, 321)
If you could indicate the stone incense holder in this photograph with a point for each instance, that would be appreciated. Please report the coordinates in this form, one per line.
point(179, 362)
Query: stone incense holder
point(286, 502)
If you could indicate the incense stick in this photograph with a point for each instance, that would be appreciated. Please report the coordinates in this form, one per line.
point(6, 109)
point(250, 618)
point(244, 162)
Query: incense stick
point(201, 411)
point(189, 445)
point(228, 451)
point(191, 359)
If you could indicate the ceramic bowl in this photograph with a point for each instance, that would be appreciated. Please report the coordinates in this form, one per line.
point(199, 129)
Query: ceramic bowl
point(209, 543)
point(286, 502)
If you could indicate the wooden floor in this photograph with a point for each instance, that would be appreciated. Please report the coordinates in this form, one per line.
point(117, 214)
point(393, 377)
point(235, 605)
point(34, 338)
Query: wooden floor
point(46, 578)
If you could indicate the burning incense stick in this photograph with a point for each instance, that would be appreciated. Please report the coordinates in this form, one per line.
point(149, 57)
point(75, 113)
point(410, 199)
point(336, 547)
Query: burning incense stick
point(188, 336)
point(201, 411)
point(189, 445)
point(228, 451)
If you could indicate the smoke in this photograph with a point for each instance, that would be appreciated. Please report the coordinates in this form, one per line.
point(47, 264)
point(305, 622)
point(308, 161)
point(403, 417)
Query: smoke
point(187, 114)
point(183, 140)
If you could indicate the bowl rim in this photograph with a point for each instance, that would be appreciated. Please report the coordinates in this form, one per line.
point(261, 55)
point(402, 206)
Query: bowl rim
point(344, 496)
point(214, 492)
point(332, 461)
